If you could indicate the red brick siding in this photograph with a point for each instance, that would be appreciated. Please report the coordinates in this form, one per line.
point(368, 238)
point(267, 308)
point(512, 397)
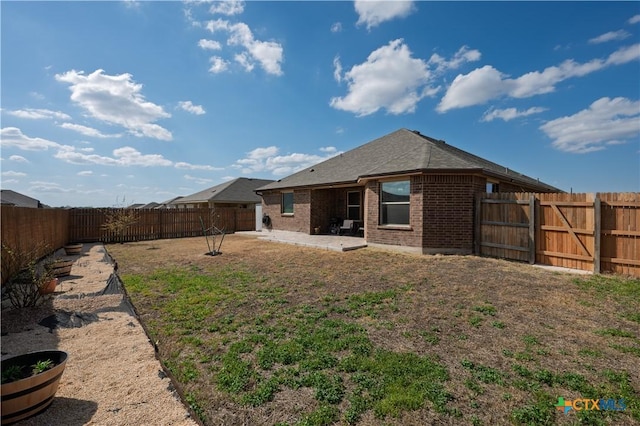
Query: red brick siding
point(299, 221)
point(449, 210)
point(410, 237)
point(441, 216)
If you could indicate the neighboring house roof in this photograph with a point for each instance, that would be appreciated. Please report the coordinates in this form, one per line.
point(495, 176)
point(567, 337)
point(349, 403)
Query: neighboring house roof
point(403, 151)
point(135, 206)
point(151, 205)
point(239, 190)
point(13, 198)
point(171, 201)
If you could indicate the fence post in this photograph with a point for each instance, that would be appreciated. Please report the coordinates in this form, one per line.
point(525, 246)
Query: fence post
point(478, 217)
point(532, 229)
point(597, 233)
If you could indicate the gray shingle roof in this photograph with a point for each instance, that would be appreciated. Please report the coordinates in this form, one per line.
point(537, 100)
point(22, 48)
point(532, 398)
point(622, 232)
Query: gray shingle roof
point(13, 198)
point(399, 152)
point(239, 190)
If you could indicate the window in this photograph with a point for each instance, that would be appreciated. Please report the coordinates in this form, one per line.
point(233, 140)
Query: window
point(492, 187)
point(353, 205)
point(287, 203)
point(394, 203)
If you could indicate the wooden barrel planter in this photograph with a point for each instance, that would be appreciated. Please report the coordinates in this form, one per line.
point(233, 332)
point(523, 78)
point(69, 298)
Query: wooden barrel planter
point(60, 267)
point(31, 395)
point(72, 249)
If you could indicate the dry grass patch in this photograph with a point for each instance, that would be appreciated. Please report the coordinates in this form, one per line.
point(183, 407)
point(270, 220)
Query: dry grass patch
point(269, 333)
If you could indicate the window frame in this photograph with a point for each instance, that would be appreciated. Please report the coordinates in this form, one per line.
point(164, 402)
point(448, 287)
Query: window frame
point(492, 187)
point(382, 205)
point(359, 205)
point(282, 203)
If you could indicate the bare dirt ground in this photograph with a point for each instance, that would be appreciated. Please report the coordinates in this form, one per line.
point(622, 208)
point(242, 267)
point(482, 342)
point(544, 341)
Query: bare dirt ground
point(112, 376)
point(541, 319)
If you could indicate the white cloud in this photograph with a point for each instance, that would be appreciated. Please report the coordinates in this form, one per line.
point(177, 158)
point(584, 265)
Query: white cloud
point(624, 55)
point(244, 60)
point(268, 54)
point(634, 19)
point(610, 36)
point(209, 44)
point(125, 156)
point(10, 181)
point(36, 95)
point(266, 159)
point(329, 149)
point(218, 65)
point(198, 180)
point(12, 137)
point(510, 113)
point(373, 13)
point(188, 166)
point(486, 83)
point(606, 122)
point(87, 131)
point(116, 99)
point(18, 159)
point(38, 114)
point(190, 107)
point(462, 56)
point(336, 27)
point(227, 7)
point(389, 79)
point(11, 173)
point(132, 4)
point(337, 69)
point(85, 173)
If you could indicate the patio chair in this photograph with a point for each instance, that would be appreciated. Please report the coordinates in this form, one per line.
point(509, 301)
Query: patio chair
point(347, 225)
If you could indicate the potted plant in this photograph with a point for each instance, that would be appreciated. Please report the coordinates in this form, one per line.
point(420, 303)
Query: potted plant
point(49, 286)
point(72, 249)
point(29, 383)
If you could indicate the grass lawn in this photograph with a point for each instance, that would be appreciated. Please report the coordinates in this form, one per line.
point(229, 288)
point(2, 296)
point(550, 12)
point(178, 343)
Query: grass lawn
point(274, 334)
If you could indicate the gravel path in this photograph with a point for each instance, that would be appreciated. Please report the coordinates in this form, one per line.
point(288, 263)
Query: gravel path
point(112, 376)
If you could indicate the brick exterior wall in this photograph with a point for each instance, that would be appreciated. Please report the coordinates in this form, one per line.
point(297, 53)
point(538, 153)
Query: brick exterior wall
point(386, 235)
point(441, 215)
point(441, 212)
point(449, 212)
point(299, 221)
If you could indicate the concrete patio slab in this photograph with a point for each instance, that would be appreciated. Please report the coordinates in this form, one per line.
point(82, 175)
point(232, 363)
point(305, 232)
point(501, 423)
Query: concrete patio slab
point(325, 242)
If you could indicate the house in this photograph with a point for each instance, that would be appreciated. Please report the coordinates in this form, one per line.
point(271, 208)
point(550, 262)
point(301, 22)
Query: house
point(239, 192)
point(13, 198)
point(168, 204)
point(405, 189)
point(149, 206)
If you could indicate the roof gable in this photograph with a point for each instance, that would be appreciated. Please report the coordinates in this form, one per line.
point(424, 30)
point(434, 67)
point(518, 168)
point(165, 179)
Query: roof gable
point(239, 190)
point(10, 197)
point(402, 151)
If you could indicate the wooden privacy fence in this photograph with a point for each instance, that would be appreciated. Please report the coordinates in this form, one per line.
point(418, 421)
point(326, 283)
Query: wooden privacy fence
point(41, 231)
point(30, 231)
point(593, 232)
point(93, 224)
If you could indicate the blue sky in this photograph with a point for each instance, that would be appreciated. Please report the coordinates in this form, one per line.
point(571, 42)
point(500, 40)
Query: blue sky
point(110, 103)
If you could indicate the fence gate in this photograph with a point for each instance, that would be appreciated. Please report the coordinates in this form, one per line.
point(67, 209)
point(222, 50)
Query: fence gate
point(593, 232)
point(505, 226)
point(567, 234)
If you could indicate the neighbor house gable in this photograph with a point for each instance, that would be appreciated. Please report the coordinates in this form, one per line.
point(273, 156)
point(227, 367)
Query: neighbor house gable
point(237, 191)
